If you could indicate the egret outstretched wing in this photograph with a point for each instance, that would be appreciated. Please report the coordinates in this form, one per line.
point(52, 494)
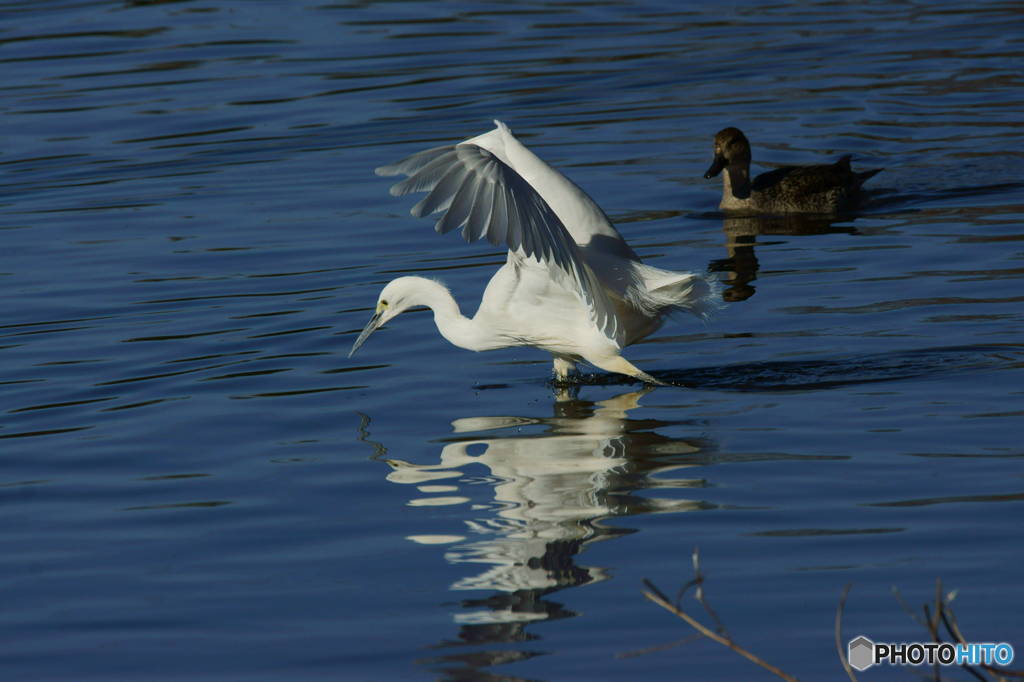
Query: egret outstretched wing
point(478, 192)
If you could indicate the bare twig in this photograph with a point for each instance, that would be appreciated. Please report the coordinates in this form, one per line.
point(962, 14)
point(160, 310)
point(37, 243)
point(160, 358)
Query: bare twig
point(943, 614)
point(719, 625)
point(949, 620)
point(906, 607)
point(935, 616)
point(839, 632)
point(658, 647)
point(933, 622)
point(654, 588)
point(954, 628)
point(696, 581)
point(658, 598)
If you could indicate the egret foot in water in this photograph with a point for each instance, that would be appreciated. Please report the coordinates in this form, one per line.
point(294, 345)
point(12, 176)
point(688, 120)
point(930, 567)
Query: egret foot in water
point(564, 370)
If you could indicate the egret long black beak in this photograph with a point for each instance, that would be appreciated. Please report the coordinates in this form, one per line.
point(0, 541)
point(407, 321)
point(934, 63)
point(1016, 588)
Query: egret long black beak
point(375, 322)
point(716, 166)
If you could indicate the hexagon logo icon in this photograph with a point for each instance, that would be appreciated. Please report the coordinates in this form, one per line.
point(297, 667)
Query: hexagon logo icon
point(860, 652)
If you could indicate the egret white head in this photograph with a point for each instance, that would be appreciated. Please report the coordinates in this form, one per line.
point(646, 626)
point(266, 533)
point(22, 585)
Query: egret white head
point(395, 298)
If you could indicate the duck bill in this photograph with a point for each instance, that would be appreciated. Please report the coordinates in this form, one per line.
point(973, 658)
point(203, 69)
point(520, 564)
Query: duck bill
point(375, 322)
point(716, 166)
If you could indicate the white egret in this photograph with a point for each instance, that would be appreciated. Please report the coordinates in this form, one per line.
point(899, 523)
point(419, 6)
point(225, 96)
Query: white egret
point(571, 285)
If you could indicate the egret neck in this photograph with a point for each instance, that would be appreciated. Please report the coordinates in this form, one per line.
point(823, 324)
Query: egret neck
point(460, 330)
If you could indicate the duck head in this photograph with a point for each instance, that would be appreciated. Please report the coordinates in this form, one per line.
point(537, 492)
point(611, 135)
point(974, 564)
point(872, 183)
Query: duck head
point(732, 152)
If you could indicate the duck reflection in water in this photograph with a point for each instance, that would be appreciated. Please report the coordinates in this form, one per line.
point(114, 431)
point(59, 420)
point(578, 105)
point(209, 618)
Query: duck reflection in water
point(741, 232)
point(553, 479)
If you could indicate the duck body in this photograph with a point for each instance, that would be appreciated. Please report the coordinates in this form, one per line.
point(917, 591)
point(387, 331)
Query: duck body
point(819, 189)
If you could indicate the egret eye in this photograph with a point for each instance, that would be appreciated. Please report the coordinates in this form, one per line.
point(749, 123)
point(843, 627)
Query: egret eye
point(384, 303)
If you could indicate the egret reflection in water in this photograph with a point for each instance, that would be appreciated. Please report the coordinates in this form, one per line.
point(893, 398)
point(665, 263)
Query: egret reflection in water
point(552, 481)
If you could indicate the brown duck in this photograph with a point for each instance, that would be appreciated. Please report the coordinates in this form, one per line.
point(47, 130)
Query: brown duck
point(824, 188)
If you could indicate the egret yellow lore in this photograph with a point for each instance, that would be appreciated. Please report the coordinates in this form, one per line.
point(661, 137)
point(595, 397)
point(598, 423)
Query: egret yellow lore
point(571, 285)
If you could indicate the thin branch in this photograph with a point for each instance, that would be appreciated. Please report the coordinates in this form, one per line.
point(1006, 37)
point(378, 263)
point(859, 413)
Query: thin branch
point(1003, 673)
point(944, 614)
point(906, 607)
point(681, 592)
point(933, 622)
point(654, 588)
point(839, 632)
point(697, 579)
point(699, 627)
point(658, 647)
point(949, 620)
point(933, 625)
point(719, 625)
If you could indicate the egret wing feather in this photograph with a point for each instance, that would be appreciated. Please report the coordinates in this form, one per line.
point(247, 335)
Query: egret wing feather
point(413, 164)
point(514, 234)
point(461, 205)
point(451, 178)
point(478, 192)
point(498, 227)
point(479, 222)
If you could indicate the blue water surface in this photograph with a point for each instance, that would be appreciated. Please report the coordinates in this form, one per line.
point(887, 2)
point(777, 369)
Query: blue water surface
point(198, 483)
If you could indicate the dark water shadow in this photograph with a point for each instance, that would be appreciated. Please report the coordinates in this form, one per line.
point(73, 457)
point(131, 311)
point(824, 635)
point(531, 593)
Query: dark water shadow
point(850, 370)
point(884, 200)
point(812, 374)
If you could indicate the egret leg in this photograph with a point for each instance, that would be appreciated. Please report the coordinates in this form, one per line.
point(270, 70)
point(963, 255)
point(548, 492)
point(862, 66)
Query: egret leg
point(563, 368)
point(623, 366)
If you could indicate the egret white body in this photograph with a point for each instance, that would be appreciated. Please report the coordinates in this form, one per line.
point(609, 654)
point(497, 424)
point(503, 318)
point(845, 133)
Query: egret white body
point(571, 284)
